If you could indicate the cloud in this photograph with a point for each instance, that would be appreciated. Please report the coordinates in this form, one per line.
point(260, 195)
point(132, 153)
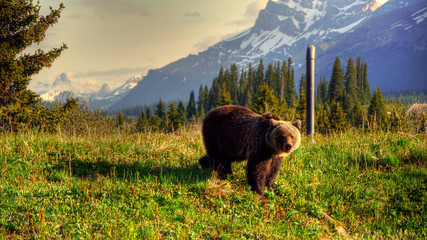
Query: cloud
point(206, 43)
point(117, 7)
point(252, 11)
point(209, 41)
point(192, 14)
point(111, 73)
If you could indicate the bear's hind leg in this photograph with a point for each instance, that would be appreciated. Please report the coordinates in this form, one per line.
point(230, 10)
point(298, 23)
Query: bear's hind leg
point(205, 162)
point(276, 164)
point(223, 169)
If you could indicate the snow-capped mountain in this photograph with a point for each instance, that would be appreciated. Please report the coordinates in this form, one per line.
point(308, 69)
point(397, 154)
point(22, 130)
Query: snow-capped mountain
point(104, 99)
point(283, 29)
point(393, 44)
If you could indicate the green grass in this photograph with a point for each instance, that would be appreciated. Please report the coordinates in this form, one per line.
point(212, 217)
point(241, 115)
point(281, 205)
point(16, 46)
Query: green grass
point(136, 186)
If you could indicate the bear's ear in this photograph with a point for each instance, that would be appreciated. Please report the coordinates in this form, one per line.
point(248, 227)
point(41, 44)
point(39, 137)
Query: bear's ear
point(274, 123)
point(297, 124)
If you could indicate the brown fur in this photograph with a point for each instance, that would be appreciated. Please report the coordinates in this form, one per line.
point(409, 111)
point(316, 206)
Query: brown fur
point(234, 133)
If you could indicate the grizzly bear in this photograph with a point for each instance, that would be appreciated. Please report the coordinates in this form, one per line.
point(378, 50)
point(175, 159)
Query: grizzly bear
point(235, 133)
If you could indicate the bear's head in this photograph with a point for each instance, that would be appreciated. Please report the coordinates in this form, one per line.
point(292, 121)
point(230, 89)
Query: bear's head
point(284, 137)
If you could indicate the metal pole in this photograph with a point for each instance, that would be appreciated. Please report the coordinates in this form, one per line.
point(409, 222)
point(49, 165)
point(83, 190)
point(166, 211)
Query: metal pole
point(311, 57)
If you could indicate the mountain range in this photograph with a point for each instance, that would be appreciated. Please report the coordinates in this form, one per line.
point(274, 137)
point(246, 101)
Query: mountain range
point(390, 35)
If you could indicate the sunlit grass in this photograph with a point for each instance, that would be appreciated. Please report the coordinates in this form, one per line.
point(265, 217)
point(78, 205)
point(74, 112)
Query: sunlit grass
point(355, 184)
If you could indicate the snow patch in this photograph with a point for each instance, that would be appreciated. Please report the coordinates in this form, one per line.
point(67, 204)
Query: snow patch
point(420, 18)
point(50, 96)
point(349, 27)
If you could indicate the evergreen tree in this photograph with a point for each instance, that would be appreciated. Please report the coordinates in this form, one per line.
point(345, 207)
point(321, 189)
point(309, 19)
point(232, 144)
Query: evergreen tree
point(322, 118)
point(148, 114)
point(284, 81)
point(213, 94)
point(347, 104)
point(234, 77)
point(302, 103)
point(376, 110)
point(182, 113)
point(174, 118)
point(337, 116)
point(251, 78)
point(259, 77)
point(243, 89)
point(120, 119)
point(160, 109)
point(350, 80)
point(201, 101)
point(206, 94)
point(302, 84)
point(269, 75)
point(366, 90)
point(322, 90)
point(359, 78)
point(266, 101)
point(224, 97)
point(291, 92)
point(191, 107)
point(20, 27)
point(357, 115)
point(336, 85)
point(142, 122)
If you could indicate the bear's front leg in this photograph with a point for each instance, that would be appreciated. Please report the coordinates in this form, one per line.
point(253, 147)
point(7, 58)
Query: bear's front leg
point(257, 170)
point(276, 164)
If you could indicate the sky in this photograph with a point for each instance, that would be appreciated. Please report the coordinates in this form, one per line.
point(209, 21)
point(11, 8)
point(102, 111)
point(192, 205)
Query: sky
point(110, 41)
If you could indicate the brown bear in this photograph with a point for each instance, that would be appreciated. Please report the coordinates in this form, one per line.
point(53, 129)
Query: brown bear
point(235, 133)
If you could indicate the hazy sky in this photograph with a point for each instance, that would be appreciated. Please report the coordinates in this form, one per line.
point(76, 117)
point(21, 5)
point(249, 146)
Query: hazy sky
point(113, 40)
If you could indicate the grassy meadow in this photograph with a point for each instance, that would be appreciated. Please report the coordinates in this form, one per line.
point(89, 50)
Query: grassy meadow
point(149, 186)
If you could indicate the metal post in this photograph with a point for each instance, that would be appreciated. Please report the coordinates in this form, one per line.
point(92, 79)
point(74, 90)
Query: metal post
point(311, 57)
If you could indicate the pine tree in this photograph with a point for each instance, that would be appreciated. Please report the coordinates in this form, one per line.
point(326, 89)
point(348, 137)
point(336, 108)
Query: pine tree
point(302, 103)
point(259, 75)
point(350, 80)
point(120, 119)
point(191, 107)
point(269, 75)
point(243, 89)
point(322, 118)
point(20, 27)
point(359, 78)
point(347, 104)
point(302, 84)
point(322, 90)
point(284, 80)
point(376, 110)
point(266, 101)
point(224, 97)
point(142, 122)
point(234, 77)
point(366, 93)
point(290, 91)
point(182, 113)
point(201, 102)
point(175, 120)
point(148, 114)
point(357, 115)
point(277, 80)
point(337, 116)
point(160, 109)
point(336, 85)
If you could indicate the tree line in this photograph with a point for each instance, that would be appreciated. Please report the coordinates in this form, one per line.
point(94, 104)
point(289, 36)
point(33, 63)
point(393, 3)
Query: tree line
point(343, 101)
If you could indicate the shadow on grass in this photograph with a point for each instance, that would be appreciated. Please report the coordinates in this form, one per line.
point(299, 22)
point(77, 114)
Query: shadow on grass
point(136, 171)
